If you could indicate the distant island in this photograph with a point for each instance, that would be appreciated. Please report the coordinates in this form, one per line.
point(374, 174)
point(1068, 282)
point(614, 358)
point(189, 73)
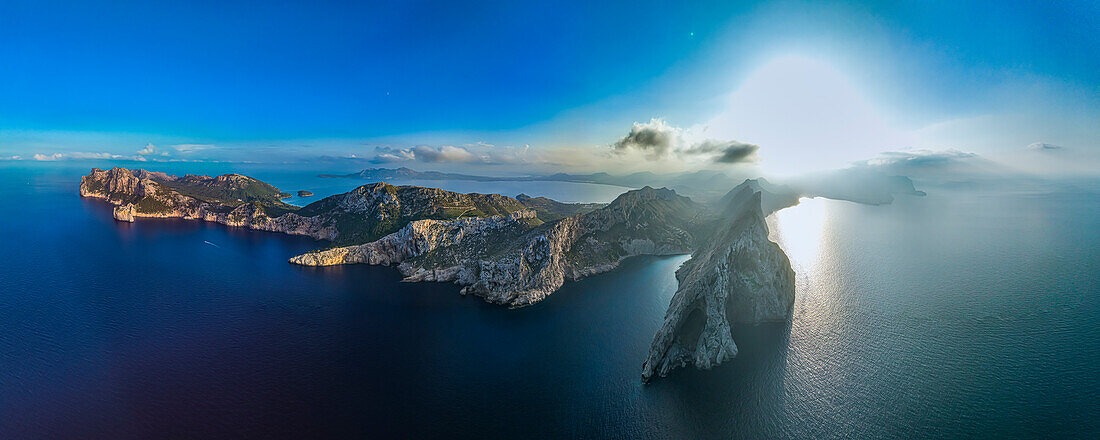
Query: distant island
point(304, 193)
point(514, 251)
point(375, 174)
point(852, 184)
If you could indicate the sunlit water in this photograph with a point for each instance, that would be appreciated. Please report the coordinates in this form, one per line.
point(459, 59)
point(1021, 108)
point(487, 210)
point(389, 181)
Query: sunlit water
point(961, 314)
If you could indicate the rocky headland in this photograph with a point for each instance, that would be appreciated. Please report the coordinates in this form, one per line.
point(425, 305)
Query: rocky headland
point(230, 199)
point(359, 216)
point(517, 251)
point(737, 276)
point(515, 261)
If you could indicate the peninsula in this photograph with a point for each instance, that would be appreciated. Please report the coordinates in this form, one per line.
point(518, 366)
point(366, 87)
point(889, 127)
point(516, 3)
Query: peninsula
point(514, 251)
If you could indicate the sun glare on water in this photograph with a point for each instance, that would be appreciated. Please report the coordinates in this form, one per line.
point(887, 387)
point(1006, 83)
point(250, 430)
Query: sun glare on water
point(798, 230)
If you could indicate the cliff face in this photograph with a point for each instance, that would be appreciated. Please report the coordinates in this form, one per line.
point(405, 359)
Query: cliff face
point(364, 214)
point(516, 262)
point(736, 276)
point(371, 211)
point(420, 237)
point(514, 251)
point(231, 199)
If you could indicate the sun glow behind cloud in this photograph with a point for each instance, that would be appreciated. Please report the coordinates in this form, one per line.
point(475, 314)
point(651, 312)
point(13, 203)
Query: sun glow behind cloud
point(807, 116)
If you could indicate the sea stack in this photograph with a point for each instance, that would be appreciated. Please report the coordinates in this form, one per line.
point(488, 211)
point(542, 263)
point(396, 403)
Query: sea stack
point(737, 276)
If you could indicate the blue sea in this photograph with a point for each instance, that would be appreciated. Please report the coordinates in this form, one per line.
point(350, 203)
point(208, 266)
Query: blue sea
point(973, 312)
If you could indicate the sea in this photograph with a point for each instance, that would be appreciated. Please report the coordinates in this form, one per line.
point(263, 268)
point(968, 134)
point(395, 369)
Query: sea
point(972, 312)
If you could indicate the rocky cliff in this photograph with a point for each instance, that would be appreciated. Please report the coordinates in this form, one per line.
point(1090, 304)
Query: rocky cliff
point(513, 261)
point(738, 275)
point(231, 199)
point(420, 237)
point(515, 251)
point(362, 215)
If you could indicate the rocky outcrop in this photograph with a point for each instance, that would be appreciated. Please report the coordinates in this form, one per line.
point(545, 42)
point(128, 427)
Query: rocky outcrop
point(514, 261)
point(231, 199)
point(737, 276)
point(125, 213)
point(418, 238)
point(359, 216)
point(515, 251)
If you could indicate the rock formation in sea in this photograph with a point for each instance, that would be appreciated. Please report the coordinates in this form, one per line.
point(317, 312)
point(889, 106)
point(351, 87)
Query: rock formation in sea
point(737, 276)
point(517, 251)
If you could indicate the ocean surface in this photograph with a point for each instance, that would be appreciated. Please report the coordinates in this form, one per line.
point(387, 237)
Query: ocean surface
point(967, 313)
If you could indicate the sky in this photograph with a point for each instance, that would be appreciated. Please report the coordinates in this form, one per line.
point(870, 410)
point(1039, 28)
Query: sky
point(523, 87)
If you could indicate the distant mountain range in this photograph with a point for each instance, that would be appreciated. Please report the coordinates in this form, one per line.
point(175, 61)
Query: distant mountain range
point(853, 184)
point(410, 174)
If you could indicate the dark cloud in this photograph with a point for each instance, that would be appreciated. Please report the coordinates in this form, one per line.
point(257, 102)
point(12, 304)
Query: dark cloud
point(658, 140)
point(655, 138)
point(726, 151)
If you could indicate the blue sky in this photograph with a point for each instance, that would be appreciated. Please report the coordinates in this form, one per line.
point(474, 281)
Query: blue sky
point(294, 80)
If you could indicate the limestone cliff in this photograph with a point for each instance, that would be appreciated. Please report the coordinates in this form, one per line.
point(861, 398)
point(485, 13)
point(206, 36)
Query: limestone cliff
point(359, 216)
point(738, 275)
point(515, 251)
point(231, 199)
point(418, 238)
point(514, 262)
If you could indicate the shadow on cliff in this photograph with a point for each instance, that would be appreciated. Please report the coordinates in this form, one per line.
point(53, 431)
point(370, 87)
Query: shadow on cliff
point(729, 399)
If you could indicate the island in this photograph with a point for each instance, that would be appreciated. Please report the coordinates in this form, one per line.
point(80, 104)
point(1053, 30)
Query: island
point(856, 184)
point(304, 193)
point(515, 251)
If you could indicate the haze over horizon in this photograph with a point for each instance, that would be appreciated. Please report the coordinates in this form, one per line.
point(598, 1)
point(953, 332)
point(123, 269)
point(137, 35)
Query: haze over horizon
point(499, 219)
point(501, 88)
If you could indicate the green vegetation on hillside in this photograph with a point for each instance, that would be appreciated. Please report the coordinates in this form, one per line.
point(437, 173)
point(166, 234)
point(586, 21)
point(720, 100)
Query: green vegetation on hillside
point(152, 205)
point(230, 189)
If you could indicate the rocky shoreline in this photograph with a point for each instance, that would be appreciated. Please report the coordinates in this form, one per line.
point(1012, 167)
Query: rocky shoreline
point(515, 251)
point(131, 191)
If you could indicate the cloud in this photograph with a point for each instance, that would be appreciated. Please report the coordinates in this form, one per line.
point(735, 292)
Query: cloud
point(148, 153)
point(389, 155)
point(444, 153)
point(152, 150)
point(48, 157)
point(189, 148)
point(1042, 146)
point(921, 158)
point(727, 151)
point(77, 155)
point(474, 153)
point(657, 140)
point(423, 153)
point(491, 154)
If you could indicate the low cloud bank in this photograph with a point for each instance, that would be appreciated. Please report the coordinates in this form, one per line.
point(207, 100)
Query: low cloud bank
point(921, 158)
point(148, 153)
point(480, 153)
point(1042, 146)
